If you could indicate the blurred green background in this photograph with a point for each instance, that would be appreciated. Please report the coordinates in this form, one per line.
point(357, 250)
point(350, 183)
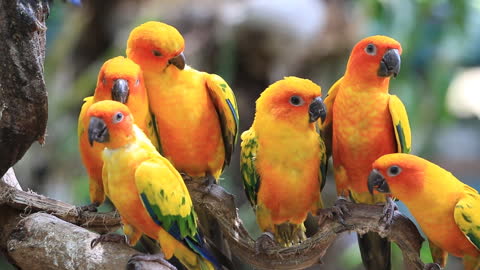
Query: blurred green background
point(252, 43)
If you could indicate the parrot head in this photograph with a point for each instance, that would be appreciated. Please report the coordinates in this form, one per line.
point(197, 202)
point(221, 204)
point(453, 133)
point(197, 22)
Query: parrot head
point(155, 45)
point(401, 175)
point(375, 59)
point(293, 99)
point(119, 78)
point(111, 124)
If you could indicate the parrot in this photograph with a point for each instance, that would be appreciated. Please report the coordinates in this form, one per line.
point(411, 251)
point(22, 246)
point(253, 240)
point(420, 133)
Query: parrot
point(451, 221)
point(283, 159)
point(119, 79)
point(145, 188)
point(363, 123)
point(196, 113)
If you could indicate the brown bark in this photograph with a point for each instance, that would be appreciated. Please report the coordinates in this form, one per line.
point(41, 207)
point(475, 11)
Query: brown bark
point(23, 96)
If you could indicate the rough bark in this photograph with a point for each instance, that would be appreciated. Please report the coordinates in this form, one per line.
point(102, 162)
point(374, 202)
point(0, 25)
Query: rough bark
point(23, 96)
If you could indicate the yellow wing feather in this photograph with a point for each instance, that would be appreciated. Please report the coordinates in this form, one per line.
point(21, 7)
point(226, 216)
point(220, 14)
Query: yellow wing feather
point(226, 105)
point(467, 216)
point(401, 124)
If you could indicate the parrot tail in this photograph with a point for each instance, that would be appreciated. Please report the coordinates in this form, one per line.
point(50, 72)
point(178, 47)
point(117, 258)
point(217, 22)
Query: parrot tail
point(375, 251)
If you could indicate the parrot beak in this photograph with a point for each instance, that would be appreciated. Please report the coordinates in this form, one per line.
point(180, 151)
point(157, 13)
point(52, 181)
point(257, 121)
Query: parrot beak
point(120, 91)
point(97, 131)
point(178, 61)
point(377, 181)
point(317, 109)
point(390, 64)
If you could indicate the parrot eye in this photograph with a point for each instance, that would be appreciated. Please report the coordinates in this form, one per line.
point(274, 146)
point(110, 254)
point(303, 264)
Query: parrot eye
point(371, 49)
point(296, 101)
point(117, 118)
point(137, 82)
point(394, 170)
point(156, 53)
point(104, 81)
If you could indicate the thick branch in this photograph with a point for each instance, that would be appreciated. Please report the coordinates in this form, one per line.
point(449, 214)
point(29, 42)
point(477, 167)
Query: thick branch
point(220, 204)
point(29, 202)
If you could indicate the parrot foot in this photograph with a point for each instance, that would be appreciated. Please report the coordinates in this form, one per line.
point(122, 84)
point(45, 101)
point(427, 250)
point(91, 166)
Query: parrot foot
point(432, 266)
point(339, 209)
point(186, 177)
point(88, 208)
point(109, 237)
point(135, 262)
point(265, 242)
point(388, 212)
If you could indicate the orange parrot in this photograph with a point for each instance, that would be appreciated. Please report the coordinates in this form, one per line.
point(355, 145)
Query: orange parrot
point(119, 79)
point(365, 122)
point(196, 113)
point(452, 219)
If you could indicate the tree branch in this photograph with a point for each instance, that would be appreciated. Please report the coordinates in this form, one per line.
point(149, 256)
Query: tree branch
point(363, 218)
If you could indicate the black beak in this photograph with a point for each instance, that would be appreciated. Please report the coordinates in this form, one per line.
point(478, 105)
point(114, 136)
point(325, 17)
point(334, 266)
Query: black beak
point(97, 131)
point(178, 61)
point(120, 91)
point(390, 64)
point(377, 181)
point(317, 109)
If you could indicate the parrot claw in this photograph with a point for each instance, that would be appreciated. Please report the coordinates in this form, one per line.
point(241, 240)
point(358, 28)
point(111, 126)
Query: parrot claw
point(109, 237)
point(265, 242)
point(135, 262)
point(432, 266)
point(339, 209)
point(186, 177)
point(388, 212)
point(88, 208)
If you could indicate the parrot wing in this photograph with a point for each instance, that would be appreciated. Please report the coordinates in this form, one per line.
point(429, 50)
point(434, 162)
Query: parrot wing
point(250, 176)
point(467, 216)
point(166, 198)
point(225, 103)
point(83, 113)
point(322, 176)
point(327, 126)
point(401, 125)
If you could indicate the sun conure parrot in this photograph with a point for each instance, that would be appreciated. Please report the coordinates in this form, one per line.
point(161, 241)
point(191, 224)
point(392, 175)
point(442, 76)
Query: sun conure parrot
point(196, 113)
point(365, 122)
point(283, 159)
point(145, 188)
point(119, 79)
point(447, 210)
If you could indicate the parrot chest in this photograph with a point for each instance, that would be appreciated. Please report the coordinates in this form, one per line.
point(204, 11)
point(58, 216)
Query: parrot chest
point(120, 186)
point(289, 167)
point(187, 122)
point(362, 132)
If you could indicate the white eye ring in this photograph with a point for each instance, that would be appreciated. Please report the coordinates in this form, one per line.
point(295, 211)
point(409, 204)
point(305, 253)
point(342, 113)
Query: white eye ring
point(296, 101)
point(394, 170)
point(117, 118)
point(371, 49)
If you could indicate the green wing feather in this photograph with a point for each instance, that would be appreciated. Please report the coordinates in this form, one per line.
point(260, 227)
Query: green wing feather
point(226, 105)
point(165, 196)
point(251, 179)
point(401, 124)
point(467, 216)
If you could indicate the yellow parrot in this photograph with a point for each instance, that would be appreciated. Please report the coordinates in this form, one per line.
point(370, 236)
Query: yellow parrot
point(145, 188)
point(119, 79)
point(196, 113)
point(447, 210)
point(283, 160)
